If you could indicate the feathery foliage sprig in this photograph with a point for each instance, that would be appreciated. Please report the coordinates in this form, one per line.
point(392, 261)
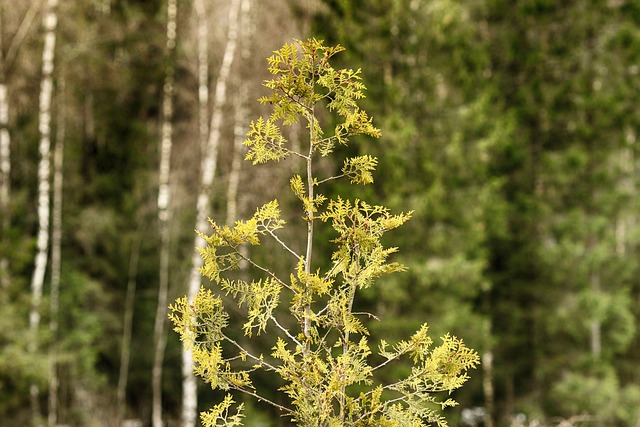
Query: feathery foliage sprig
point(321, 346)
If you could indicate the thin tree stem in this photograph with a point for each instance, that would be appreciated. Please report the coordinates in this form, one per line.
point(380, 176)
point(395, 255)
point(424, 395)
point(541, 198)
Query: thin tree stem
point(284, 245)
point(248, 354)
point(309, 218)
point(125, 350)
point(286, 331)
point(264, 399)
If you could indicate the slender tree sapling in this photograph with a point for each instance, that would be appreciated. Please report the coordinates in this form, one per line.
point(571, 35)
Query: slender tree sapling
point(321, 350)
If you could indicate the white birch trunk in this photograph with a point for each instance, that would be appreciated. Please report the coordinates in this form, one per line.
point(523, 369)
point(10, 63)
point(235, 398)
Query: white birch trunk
point(189, 387)
point(207, 174)
point(240, 126)
point(203, 73)
point(6, 60)
point(44, 172)
point(239, 133)
point(56, 261)
point(164, 214)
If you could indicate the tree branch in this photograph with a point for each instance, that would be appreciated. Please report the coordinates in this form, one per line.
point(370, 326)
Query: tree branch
point(251, 356)
point(342, 175)
point(259, 267)
point(283, 244)
point(26, 22)
point(263, 399)
point(286, 331)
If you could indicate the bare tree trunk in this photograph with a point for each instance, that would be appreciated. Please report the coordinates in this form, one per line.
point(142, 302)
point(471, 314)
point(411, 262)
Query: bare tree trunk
point(5, 166)
point(207, 173)
point(125, 349)
point(626, 219)
point(203, 73)
point(240, 127)
point(56, 260)
point(5, 137)
point(596, 323)
point(487, 377)
point(44, 172)
point(5, 179)
point(189, 387)
point(239, 132)
point(164, 216)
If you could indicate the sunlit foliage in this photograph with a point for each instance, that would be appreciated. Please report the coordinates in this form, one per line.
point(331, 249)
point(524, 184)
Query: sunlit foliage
point(321, 348)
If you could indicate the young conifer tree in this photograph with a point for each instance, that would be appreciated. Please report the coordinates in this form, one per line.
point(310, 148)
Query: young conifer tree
point(321, 350)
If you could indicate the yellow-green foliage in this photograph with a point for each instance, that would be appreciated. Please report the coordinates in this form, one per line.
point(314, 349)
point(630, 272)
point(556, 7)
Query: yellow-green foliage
point(320, 346)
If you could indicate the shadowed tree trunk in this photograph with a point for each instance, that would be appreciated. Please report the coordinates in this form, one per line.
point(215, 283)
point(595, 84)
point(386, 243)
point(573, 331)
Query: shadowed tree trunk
point(125, 349)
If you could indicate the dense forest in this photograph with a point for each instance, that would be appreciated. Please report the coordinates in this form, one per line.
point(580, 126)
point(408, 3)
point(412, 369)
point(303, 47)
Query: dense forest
point(508, 128)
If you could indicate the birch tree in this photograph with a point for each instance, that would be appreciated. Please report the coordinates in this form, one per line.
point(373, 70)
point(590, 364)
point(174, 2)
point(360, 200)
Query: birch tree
point(164, 213)
point(189, 387)
point(8, 55)
point(240, 109)
point(202, 43)
point(125, 350)
point(207, 174)
point(56, 260)
point(44, 171)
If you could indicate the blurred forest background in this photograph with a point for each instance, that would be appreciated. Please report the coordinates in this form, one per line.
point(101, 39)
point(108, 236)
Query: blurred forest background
point(509, 127)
